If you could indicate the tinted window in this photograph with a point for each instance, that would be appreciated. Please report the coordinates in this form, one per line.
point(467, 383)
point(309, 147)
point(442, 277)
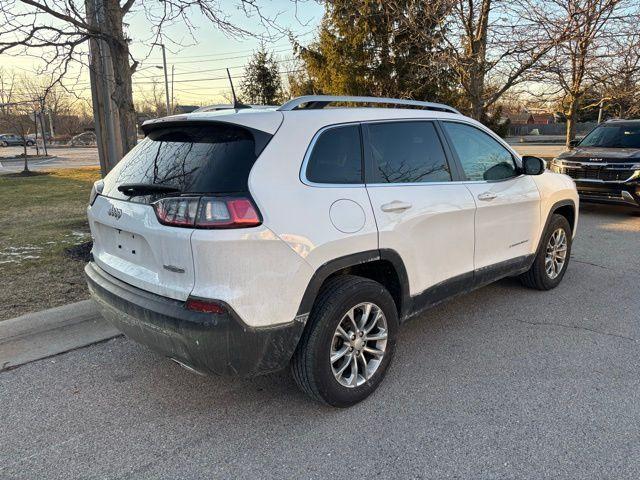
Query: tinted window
point(194, 159)
point(407, 152)
point(336, 156)
point(613, 136)
point(482, 157)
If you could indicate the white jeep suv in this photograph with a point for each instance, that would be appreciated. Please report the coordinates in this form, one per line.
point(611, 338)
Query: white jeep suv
point(239, 242)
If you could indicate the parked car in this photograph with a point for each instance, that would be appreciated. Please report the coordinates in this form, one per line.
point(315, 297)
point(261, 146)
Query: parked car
point(606, 163)
point(242, 242)
point(9, 139)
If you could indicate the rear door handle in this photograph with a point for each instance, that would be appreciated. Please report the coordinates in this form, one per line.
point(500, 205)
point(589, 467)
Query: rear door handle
point(486, 196)
point(395, 206)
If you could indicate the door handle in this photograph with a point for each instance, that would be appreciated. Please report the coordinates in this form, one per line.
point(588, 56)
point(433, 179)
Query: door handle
point(487, 196)
point(395, 206)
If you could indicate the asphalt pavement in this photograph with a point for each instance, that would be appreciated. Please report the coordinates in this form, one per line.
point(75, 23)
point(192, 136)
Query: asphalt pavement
point(60, 157)
point(504, 382)
point(546, 151)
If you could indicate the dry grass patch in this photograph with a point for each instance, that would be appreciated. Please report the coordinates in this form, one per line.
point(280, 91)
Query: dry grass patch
point(43, 214)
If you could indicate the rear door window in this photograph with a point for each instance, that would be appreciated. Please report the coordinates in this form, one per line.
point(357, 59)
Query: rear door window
point(336, 157)
point(193, 159)
point(406, 152)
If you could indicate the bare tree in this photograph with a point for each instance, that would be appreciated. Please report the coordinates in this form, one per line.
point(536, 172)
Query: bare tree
point(7, 90)
point(17, 119)
point(617, 77)
point(493, 44)
point(152, 102)
point(59, 31)
point(573, 64)
point(58, 105)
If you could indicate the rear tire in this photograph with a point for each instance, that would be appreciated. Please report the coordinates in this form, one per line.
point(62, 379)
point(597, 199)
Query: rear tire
point(363, 348)
point(553, 256)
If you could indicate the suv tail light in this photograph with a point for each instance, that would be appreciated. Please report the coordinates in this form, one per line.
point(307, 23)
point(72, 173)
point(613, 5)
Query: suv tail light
point(96, 190)
point(207, 212)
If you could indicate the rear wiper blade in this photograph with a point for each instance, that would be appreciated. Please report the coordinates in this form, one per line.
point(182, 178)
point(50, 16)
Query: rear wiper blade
point(137, 189)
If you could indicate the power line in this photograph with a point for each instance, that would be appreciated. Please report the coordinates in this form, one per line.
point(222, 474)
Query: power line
point(225, 58)
point(198, 72)
point(248, 50)
point(214, 55)
point(212, 78)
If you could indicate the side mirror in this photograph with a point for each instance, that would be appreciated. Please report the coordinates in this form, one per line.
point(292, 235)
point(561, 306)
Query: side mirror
point(573, 143)
point(532, 165)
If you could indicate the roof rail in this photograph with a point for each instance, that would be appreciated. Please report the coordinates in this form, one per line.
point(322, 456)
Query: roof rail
point(321, 101)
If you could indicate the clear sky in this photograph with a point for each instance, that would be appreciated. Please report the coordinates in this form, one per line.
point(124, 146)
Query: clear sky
point(199, 63)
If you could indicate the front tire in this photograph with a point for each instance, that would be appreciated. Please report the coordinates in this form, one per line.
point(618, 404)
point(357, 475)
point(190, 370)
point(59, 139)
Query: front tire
point(553, 256)
point(348, 343)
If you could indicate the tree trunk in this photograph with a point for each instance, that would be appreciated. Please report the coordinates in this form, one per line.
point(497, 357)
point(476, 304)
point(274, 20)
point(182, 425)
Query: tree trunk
point(572, 118)
point(477, 102)
point(26, 162)
point(477, 56)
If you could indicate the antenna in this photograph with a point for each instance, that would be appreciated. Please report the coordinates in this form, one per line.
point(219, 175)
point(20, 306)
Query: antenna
point(236, 103)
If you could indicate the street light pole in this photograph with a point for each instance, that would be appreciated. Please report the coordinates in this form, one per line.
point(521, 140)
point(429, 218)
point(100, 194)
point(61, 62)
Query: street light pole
point(600, 110)
point(173, 99)
point(166, 77)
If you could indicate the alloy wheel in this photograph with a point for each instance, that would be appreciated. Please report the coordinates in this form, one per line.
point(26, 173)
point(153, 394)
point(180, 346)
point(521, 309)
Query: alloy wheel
point(556, 253)
point(358, 344)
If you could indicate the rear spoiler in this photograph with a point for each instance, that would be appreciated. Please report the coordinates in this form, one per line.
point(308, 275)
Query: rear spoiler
point(260, 137)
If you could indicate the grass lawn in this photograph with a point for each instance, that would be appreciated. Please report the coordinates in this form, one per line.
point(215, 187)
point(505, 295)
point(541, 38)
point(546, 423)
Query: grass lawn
point(43, 215)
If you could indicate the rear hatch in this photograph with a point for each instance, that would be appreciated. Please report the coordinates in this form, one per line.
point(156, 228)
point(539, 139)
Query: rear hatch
point(178, 160)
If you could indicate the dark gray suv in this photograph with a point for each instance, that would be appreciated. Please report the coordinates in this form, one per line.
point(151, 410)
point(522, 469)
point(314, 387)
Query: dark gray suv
point(606, 163)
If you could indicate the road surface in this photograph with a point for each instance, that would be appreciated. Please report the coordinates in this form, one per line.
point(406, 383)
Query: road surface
point(502, 383)
point(63, 157)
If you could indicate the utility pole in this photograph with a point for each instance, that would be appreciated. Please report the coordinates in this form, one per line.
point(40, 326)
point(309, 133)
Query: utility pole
point(173, 99)
point(600, 111)
point(42, 127)
point(166, 77)
point(105, 116)
point(35, 120)
point(51, 123)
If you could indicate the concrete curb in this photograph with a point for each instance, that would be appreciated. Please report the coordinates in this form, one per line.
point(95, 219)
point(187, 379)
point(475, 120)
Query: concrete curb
point(43, 334)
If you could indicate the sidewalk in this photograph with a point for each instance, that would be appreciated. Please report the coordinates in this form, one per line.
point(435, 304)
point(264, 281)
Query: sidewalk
point(43, 334)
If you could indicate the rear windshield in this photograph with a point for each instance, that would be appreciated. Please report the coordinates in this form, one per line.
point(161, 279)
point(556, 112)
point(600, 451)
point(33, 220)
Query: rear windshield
point(613, 136)
point(190, 158)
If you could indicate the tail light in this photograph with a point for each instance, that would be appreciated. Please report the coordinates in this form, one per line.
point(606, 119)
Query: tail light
point(96, 190)
point(207, 212)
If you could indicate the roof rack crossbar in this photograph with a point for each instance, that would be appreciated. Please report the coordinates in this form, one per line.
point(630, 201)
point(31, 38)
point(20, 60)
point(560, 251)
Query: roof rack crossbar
point(321, 101)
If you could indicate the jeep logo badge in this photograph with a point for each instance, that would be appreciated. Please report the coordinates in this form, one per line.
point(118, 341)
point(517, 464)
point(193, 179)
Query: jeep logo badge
point(115, 212)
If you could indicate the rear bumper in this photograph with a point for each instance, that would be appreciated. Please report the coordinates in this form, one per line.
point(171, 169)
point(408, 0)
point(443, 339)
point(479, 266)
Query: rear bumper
point(610, 192)
point(208, 343)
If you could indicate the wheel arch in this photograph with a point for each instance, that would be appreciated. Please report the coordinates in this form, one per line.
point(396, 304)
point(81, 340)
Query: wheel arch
point(384, 266)
point(566, 208)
